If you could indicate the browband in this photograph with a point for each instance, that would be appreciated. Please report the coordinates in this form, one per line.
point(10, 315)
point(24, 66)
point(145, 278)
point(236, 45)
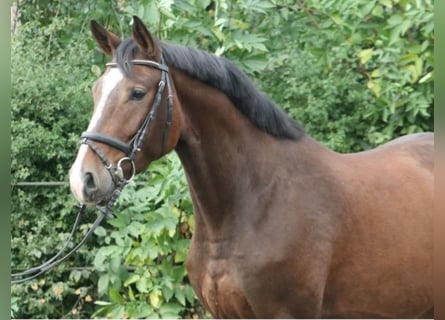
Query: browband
point(147, 63)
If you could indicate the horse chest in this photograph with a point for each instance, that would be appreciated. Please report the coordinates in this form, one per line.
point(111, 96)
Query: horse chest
point(219, 289)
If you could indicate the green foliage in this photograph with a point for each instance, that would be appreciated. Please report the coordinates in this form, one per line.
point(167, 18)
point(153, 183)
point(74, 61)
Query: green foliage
point(141, 260)
point(221, 27)
point(356, 73)
point(50, 89)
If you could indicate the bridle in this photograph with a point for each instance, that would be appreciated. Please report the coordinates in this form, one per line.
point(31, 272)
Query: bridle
point(117, 173)
point(130, 149)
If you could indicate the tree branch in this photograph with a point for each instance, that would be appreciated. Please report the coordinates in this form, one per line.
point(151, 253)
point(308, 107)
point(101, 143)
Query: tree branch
point(302, 6)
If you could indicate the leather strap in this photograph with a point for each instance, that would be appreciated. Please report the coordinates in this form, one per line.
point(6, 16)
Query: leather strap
point(106, 139)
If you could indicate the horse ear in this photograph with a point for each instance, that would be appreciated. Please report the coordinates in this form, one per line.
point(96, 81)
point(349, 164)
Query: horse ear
point(143, 37)
point(106, 40)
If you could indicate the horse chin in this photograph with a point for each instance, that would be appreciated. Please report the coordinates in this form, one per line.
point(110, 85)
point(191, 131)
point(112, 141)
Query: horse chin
point(99, 200)
point(102, 198)
point(103, 201)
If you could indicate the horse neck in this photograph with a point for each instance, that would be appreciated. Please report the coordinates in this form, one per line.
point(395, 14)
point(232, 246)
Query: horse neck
point(224, 155)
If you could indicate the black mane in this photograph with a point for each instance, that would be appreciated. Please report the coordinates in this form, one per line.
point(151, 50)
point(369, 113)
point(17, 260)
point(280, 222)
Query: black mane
point(222, 74)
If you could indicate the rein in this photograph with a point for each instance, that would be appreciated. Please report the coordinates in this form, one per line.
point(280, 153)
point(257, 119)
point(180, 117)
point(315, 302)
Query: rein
point(117, 173)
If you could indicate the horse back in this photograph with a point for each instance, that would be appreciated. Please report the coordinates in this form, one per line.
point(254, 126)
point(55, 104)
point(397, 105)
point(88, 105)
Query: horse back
point(419, 146)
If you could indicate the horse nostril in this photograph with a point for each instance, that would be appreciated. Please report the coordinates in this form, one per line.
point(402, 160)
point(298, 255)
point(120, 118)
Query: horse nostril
point(89, 181)
point(90, 187)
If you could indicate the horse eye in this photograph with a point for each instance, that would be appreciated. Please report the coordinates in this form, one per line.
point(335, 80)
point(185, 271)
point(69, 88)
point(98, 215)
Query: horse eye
point(137, 94)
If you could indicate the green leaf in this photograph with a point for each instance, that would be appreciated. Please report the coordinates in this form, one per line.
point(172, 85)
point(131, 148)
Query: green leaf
point(180, 294)
point(427, 77)
point(103, 312)
point(395, 20)
point(365, 55)
point(99, 260)
point(366, 9)
point(132, 279)
point(76, 275)
point(376, 73)
point(118, 311)
point(131, 295)
point(378, 11)
point(170, 310)
point(167, 292)
point(100, 231)
point(96, 70)
point(180, 256)
point(218, 34)
point(151, 13)
point(102, 303)
point(189, 294)
point(140, 310)
point(386, 3)
point(375, 87)
point(408, 58)
point(102, 284)
point(115, 296)
point(155, 298)
point(203, 3)
point(337, 19)
point(143, 285)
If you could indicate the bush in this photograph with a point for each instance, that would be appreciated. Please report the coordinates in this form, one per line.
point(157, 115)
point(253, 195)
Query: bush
point(356, 73)
point(50, 105)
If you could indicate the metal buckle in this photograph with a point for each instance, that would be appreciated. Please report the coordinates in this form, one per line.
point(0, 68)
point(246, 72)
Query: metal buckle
point(119, 172)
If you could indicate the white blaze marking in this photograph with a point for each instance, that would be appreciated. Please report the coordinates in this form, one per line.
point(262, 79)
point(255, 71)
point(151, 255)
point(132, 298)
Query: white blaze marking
point(76, 182)
point(109, 83)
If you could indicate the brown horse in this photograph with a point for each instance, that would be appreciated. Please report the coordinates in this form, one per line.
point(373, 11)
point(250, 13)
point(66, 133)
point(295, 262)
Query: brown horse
point(284, 226)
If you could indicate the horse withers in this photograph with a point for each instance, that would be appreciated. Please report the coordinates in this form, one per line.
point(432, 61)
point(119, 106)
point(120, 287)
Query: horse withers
point(284, 227)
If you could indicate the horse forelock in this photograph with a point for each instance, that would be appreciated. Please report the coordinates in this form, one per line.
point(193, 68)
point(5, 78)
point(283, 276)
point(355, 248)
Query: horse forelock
point(223, 75)
point(123, 55)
